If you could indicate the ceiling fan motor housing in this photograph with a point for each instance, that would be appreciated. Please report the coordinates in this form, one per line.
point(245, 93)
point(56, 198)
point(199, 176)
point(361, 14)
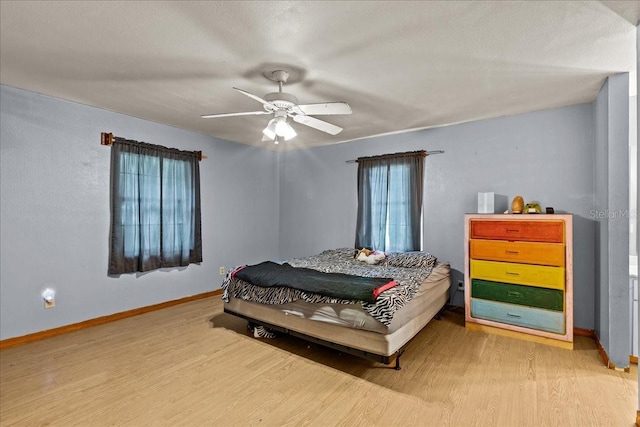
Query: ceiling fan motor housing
point(281, 99)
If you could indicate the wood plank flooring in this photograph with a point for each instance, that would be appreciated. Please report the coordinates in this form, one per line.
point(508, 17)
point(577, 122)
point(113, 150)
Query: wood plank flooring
point(192, 365)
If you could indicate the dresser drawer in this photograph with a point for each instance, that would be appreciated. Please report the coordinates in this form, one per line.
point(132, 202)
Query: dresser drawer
point(520, 252)
point(550, 299)
point(535, 318)
point(531, 231)
point(521, 274)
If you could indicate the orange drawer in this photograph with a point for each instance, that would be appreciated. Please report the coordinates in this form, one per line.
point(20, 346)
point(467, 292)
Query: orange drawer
point(531, 231)
point(521, 252)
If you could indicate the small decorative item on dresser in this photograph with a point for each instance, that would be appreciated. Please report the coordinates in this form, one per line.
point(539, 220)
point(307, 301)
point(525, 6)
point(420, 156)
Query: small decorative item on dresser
point(550, 210)
point(486, 202)
point(517, 205)
point(532, 208)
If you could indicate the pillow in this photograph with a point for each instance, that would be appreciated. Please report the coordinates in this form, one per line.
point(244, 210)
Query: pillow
point(370, 257)
point(363, 252)
point(415, 259)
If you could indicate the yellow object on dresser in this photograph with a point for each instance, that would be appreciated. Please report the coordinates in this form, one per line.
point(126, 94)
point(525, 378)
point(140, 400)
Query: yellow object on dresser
point(519, 276)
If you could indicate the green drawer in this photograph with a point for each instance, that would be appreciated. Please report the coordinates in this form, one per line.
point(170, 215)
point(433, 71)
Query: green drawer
point(551, 299)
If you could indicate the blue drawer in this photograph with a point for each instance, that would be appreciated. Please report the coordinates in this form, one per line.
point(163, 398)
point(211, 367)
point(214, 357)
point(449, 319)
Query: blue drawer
point(528, 317)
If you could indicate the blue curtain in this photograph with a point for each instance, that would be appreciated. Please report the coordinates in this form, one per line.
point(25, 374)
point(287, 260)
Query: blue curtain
point(155, 207)
point(390, 202)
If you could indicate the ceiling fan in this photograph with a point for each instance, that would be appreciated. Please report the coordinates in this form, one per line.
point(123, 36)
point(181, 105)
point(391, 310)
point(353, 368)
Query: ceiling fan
point(283, 105)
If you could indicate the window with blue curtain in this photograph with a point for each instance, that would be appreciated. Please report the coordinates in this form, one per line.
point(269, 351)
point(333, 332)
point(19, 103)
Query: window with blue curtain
point(155, 207)
point(390, 202)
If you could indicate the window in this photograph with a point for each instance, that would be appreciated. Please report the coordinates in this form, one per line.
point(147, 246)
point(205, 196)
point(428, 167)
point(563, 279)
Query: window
point(390, 202)
point(155, 207)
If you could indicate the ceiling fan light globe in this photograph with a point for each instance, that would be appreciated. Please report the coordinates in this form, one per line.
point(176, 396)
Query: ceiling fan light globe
point(289, 133)
point(281, 126)
point(270, 130)
point(284, 129)
point(269, 133)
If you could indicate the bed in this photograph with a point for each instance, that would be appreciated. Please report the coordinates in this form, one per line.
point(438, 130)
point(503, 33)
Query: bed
point(377, 330)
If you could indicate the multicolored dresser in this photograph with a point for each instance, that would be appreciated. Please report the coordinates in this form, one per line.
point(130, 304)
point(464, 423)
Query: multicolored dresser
point(519, 276)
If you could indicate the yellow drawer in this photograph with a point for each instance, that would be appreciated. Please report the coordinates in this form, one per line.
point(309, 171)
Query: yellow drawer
point(520, 274)
point(520, 252)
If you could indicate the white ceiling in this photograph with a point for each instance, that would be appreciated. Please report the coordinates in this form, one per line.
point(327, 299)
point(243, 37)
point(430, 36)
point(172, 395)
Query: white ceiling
point(400, 65)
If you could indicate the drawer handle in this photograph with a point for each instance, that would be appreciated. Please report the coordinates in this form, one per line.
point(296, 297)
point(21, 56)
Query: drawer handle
point(511, 273)
point(517, 316)
point(512, 252)
point(513, 230)
point(514, 294)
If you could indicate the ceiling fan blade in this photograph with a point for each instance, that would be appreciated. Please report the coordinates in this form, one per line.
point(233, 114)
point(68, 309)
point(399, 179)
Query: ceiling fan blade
point(326, 108)
point(317, 124)
point(257, 98)
point(248, 113)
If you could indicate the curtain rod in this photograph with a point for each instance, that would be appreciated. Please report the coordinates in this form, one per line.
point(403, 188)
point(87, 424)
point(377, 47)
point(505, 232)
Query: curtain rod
point(426, 153)
point(108, 138)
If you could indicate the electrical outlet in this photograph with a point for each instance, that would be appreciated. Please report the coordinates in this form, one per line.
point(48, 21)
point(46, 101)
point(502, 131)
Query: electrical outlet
point(49, 297)
point(460, 285)
point(222, 271)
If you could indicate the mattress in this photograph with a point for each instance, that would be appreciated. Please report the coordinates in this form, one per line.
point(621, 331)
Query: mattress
point(353, 316)
point(348, 324)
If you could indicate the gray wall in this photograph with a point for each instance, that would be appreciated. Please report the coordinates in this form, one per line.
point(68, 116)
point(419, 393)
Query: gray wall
point(611, 121)
point(54, 214)
point(638, 162)
point(601, 184)
point(633, 175)
point(546, 156)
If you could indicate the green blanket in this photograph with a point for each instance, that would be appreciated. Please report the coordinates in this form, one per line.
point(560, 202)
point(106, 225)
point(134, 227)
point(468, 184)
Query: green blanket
point(337, 285)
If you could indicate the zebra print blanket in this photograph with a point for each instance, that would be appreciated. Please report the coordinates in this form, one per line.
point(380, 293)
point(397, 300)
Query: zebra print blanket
point(341, 261)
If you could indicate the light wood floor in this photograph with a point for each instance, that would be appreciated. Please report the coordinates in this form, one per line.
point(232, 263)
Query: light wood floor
point(172, 367)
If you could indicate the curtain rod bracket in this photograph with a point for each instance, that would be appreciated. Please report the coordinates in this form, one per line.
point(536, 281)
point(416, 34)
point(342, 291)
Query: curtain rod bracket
point(201, 156)
point(106, 138)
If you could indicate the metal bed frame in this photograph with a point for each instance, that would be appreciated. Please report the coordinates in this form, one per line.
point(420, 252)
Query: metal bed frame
point(387, 360)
